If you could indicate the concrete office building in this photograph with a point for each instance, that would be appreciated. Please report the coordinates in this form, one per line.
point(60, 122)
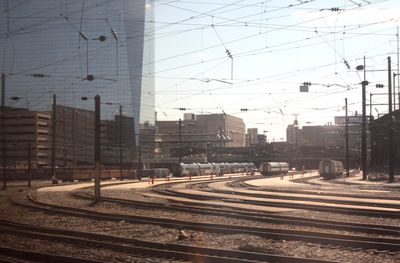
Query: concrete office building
point(78, 49)
point(199, 133)
point(323, 135)
point(74, 138)
point(22, 127)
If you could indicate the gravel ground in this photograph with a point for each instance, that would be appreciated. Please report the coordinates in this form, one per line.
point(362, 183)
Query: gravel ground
point(74, 250)
point(155, 233)
point(117, 209)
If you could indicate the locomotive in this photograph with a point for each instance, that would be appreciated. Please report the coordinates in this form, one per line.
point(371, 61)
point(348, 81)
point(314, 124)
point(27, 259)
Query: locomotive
point(330, 169)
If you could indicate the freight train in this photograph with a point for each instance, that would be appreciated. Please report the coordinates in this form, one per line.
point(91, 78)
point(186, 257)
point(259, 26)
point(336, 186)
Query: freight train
point(330, 169)
point(195, 169)
point(271, 168)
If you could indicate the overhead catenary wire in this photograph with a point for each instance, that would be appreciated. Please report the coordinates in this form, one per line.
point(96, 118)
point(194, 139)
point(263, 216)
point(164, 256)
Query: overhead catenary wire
point(266, 76)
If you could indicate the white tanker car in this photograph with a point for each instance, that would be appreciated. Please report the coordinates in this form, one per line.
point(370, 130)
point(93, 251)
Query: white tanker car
point(194, 169)
point(270, 168)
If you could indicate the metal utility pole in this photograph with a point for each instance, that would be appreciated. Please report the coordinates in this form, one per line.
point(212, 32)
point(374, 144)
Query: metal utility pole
point(180, 146)
point(398, 67)
point(53, 143)
point(220, 144)
point(390, 84)
point(391, 150)
point(3, 130)
point(347, 141)
point(139, 163)
point(391, 147)
point(29, 165)
point(370, 104)
point(296, 139)
point(394, 91)
point(364, 83)
point(97, 147)
point(295, 144)
point(180, 141)
point(120, 142)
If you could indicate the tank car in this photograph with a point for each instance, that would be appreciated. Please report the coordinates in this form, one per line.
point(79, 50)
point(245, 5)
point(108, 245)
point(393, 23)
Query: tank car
point(205, 168)
point(270, 168)
point(190, 169)
point(195, 169)
point(330, 169)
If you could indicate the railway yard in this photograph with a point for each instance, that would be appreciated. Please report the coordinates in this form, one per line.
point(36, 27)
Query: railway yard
point(230, 218)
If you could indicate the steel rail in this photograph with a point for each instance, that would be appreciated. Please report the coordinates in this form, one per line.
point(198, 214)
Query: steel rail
point(277, 234)
point(40, 256)
point(304, 198)
point(254, 216)
point(236, 199)
point(242, 183)
point(147, 248)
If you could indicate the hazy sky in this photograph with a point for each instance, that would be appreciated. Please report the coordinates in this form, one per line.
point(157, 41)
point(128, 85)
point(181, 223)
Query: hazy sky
point(225, 56)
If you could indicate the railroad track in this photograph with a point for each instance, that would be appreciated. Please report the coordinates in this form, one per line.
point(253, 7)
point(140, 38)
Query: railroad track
point(362, 209)
point(338, 181)
point(345, 241)
point(243, 184)
point(262, 194)
point(182, 206)
point(40, 256)
point(132, 246)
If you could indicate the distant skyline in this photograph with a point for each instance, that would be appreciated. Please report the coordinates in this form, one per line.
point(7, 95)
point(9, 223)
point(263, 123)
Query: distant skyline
point(248, 59)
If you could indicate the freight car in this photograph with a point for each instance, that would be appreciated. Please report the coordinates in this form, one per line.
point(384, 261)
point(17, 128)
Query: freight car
point(330, 169)
point(270, 168)
point(87, 174)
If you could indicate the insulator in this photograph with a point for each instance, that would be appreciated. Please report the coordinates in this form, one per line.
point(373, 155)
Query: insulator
point(83, 36)
point(38, 75)
point(346, 63)
point(114, 34)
